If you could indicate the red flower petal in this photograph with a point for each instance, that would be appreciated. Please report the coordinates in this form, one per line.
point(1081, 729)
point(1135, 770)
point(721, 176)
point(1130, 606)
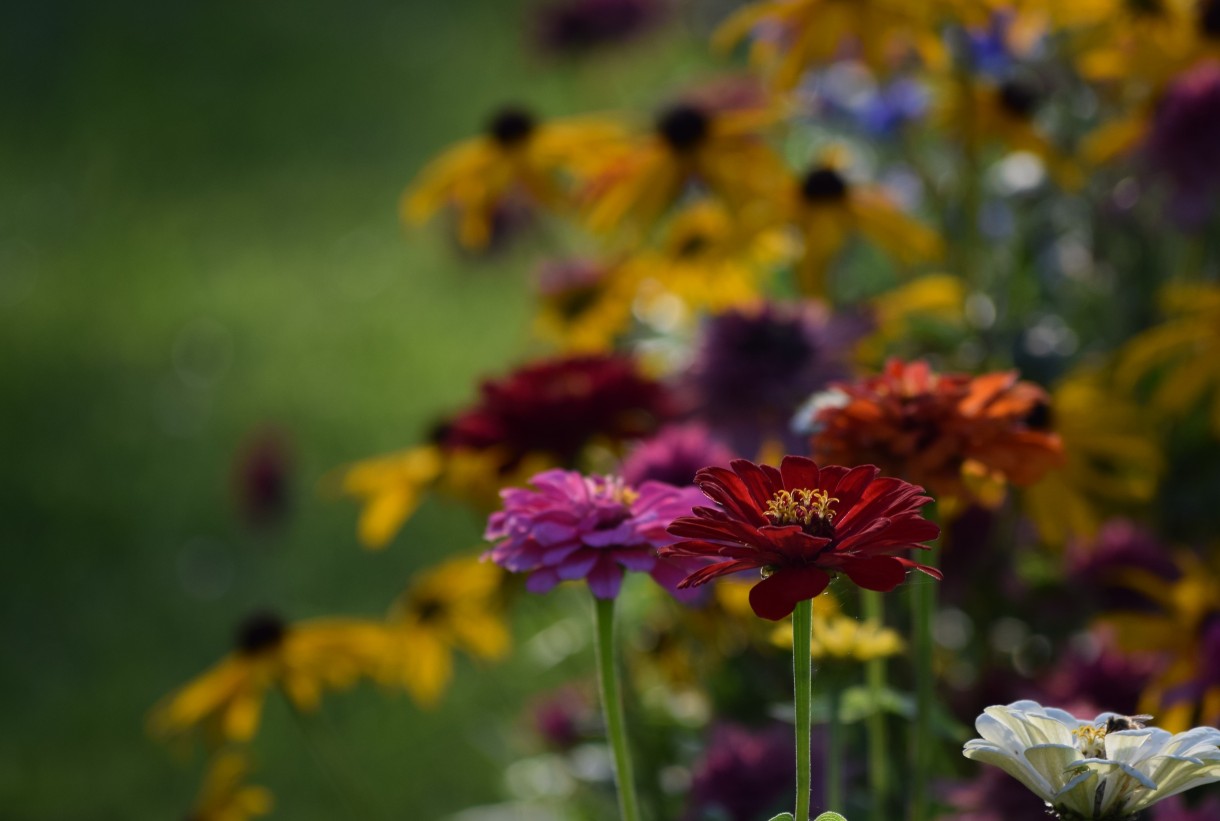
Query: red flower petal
point(705, 574)
point(799, 472)
point(777, 595)
point(882, 573)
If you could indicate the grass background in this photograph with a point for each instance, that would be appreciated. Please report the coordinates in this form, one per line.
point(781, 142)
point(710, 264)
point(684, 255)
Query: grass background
point(198, 240)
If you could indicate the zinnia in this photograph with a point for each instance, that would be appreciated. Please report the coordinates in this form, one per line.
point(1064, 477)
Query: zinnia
point(588, 527)
point(798, 524)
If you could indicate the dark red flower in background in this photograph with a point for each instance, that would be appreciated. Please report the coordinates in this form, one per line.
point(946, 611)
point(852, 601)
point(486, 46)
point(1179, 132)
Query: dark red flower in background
point(573, 27)
point(798, 524)
point(262, 479)
point(556, 407)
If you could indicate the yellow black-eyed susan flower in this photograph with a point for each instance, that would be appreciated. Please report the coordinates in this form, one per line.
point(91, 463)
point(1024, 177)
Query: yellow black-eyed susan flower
point(790, 36)
point(708, 260)
point(899, 314)
point(391, 487)
point(457, 604)
point(828, 211)
point(1183, 628)
point(1112, 460)
point(301, 660)
point(1183, 352)
point(519, 158)
point(692, 146)
point(1137, 43)
point(839, 638)
point(225, 795)
point(983, 112)
point(584, 304)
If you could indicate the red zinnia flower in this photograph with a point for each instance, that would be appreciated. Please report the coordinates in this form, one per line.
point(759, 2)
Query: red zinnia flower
point(801, 523)
point(558, 406)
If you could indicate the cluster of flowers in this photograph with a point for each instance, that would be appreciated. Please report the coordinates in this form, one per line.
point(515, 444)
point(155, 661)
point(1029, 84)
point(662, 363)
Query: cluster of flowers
point(788, 352)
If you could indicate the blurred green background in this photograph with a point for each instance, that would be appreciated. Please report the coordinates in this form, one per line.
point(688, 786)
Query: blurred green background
point(198, 242)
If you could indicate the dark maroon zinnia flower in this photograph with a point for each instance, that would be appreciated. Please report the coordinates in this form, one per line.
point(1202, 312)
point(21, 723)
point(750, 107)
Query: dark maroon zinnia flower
point(556, 407)
point(798, 524)
point(574, 26)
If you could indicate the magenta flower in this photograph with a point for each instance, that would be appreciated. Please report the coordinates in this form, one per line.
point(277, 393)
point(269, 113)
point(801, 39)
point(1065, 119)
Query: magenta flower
point(588, 527)
point(674, 455)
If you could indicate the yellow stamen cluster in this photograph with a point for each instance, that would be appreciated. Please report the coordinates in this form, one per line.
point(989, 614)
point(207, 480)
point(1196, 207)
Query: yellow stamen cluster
point(801, 507)
point(619, 491)
point(1091, 741)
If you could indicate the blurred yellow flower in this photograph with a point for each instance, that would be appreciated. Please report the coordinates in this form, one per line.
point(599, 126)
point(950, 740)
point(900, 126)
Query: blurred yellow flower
point(518, 157)
point(302, 660)
point(1140, 43)
point(897, 313)
point(841, 638)
point(828, 211)
point(390, 487)
point(1112, 460)
point(457, 604)
point(224, 795)
point(1183, 353)
point(693, 145)
point(584, 305)
point(790, 36)
point(1183, 629)
point(984, 112)
point(707, 261)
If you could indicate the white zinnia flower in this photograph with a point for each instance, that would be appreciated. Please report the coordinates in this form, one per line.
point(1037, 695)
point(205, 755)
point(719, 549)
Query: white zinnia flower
point(1092, 769)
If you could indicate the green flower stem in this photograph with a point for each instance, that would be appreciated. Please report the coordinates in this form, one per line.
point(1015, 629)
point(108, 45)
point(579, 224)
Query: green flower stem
point(878, 744)
point(834, 742)
point(802, 675)
point(612, 709)
point(923, 604)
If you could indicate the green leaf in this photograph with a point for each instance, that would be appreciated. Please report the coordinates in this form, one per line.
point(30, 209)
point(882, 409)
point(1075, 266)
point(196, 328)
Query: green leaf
point(784, 816)
point(827, 816)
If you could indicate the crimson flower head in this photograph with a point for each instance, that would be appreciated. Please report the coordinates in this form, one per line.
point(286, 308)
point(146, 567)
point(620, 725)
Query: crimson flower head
point(556, 407)
point(588, 527)
point(799, 524)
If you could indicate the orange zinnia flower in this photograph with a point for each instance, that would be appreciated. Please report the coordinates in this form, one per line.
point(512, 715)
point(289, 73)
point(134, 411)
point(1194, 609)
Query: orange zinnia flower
point(963, 437)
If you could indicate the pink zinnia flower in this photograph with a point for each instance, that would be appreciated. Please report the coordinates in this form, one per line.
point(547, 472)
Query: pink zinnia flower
point(588, 527)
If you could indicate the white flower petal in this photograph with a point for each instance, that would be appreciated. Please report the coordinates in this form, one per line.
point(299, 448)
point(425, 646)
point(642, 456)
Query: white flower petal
point(1018, 768)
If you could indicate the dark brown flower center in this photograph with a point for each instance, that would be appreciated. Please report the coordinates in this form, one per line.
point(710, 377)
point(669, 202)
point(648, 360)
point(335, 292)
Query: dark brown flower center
point(683, 127)
point(1209, 18)
point(260, 632)
point(430, 609)
point(693, 245)
point(823, 185)
point(511, 126)
point(1146, 8)
point(811, 509)
point(574, 303)
point(1039, 417)
point(1019, 98)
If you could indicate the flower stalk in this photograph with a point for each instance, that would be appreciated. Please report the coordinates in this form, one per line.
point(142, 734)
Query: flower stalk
point(878, 743)
point(834, 742)
point(923, 602)
point(802, 674)
point(612, 709)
